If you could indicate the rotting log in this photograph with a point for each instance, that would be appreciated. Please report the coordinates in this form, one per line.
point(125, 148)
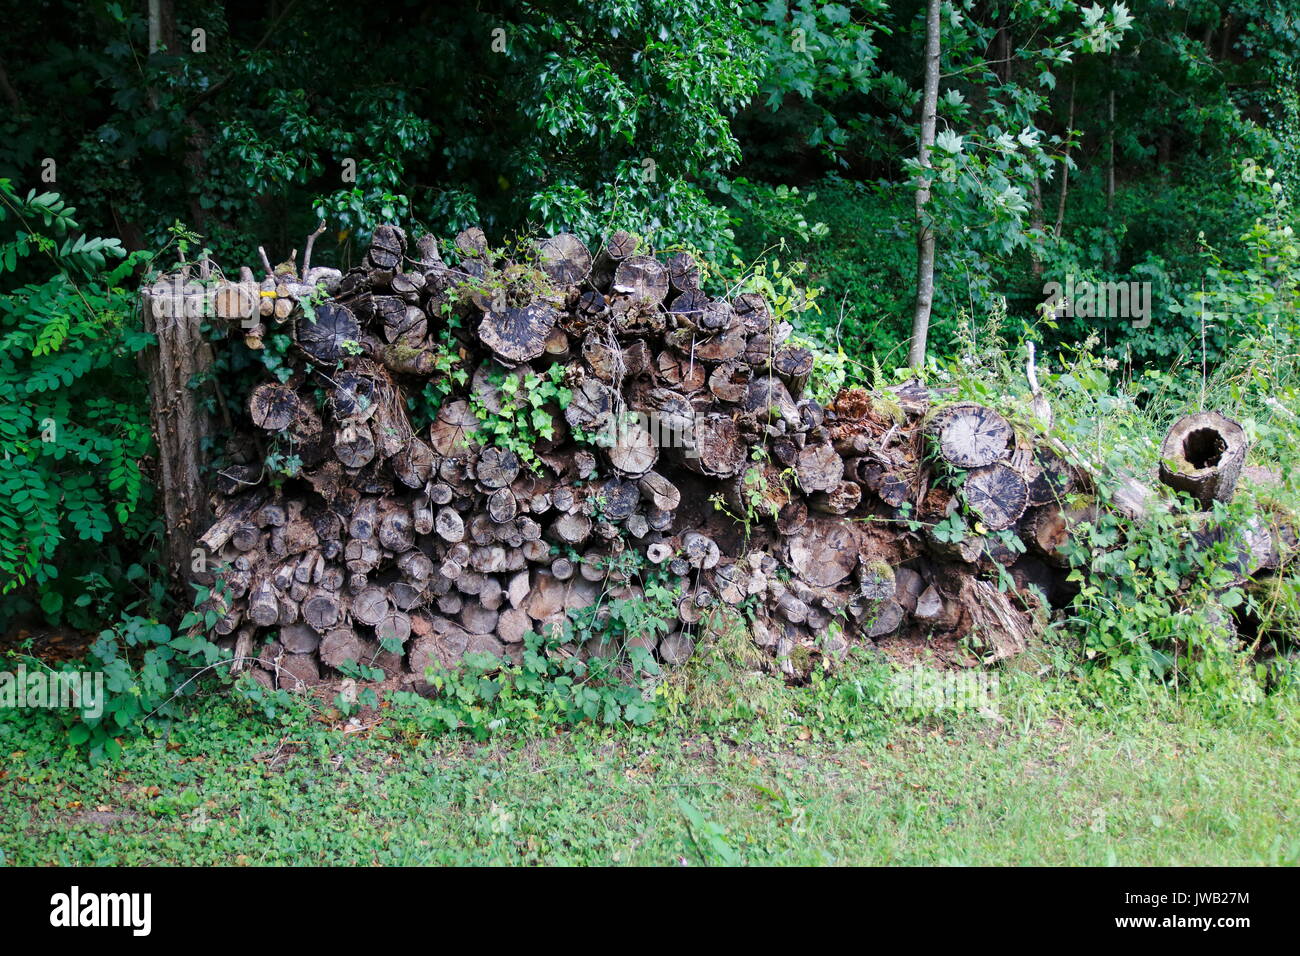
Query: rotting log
point(1203, 455)
point(178, 358)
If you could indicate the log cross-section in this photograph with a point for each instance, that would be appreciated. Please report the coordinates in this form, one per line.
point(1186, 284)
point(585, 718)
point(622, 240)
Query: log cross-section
point(1202, 455)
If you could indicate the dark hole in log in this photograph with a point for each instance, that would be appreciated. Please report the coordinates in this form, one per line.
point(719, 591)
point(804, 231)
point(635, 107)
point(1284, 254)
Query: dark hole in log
point(1203, 448)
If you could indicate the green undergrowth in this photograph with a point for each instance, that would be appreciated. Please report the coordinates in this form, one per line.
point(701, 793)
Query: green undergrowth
point(825, 775)
point(1159, 594)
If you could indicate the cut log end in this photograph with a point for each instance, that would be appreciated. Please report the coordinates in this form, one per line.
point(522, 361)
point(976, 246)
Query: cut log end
point(1203, 455)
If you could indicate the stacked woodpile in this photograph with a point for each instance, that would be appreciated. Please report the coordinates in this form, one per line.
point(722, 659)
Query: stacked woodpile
point(685, 442)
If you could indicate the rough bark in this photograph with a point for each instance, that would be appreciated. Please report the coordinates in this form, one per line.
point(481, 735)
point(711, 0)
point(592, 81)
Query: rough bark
point(924, 227)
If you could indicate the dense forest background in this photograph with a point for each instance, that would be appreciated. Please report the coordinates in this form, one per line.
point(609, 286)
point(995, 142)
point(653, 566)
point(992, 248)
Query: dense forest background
point(1149, 142)
point(1103, 142)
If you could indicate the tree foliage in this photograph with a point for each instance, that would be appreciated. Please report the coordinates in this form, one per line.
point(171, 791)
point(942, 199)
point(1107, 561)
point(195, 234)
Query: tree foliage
point(75, 432)
point(571, 115)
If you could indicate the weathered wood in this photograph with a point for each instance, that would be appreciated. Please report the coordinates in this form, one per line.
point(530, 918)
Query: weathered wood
point(341, 645)
point(321, 610)
point(452, 428)
point(618, 498)
point(819, 468)
point(643, 278)
point(273, 406)
point(571, 528)
point(683, 273)
point(633, 451)
point(396, 532)
point(297, 671)
point(590, 311)
point(700, 550)
point(659, 492)
point(327, 333)
point(617, 247)
point(1001, 626)
point(564, 259)
point(472, 246)
point(795, 365)
point(1050, 478)
point(1046, 529)
point(413, 465)
point(415, 549)
point(824, 552)
point(792, 517)
point(354, 446)
point(403, 359)
point(518, 334)
point(512, 625)
point(477, 619)
point(769, 401)
point(883, 619)
point(501, 505)
point(929, 605)
point(682, 372)
point(1203, 455)
point(718, 450)
point(387, 248)
point(752, 309)
point(967, 435)
point(722, 347)
point(403, 324)
point(369, 606)
point(263, 603)
point(676, 649)
point(996, 494)
point(178, 358)
point(496, 468)
point(688, 308)
point(415, 566)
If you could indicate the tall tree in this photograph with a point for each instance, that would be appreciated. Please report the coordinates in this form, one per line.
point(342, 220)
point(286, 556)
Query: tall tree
point(924, 230)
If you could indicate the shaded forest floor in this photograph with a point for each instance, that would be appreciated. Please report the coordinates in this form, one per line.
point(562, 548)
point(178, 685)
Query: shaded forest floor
point(1039, 782)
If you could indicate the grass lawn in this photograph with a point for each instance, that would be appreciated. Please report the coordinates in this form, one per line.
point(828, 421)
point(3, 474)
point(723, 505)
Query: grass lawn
point(1049, 781)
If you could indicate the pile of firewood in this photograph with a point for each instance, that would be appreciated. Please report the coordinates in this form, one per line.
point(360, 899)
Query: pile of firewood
point(688, 445)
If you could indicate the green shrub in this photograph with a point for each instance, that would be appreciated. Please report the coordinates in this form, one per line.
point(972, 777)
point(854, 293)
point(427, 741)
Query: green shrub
point(76, 518)
point(1219, 251)
point(77, 526)
point(1156, 604)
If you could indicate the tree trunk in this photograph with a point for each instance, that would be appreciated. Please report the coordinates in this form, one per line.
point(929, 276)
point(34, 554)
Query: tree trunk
point(1110, 151)
point(1065, 166)
point(924, 223)
point(1038, 226)
point(181, 424)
